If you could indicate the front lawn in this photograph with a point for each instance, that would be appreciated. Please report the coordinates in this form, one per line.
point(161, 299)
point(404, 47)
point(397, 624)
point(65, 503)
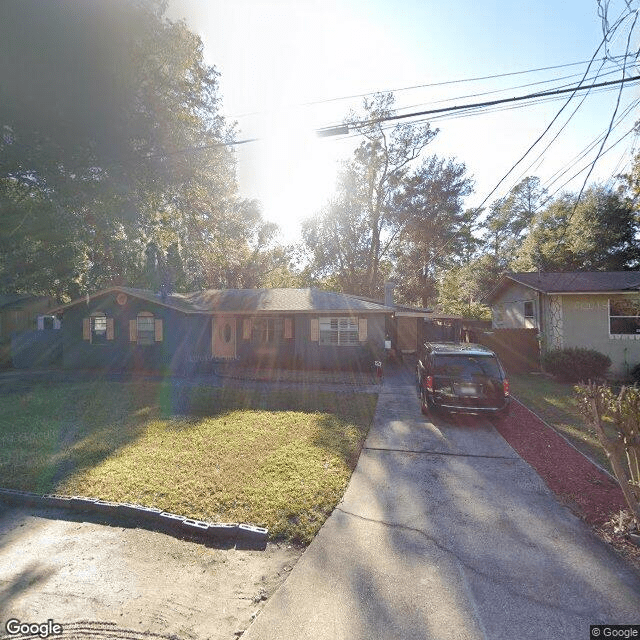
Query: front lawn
point(280, 460)
point(556, 404)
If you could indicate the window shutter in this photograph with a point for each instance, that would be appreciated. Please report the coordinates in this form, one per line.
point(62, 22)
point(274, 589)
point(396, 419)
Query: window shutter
point(56, 323)
point(110, 329)
point(362, 329)
point(288, 328)
point(246, 329)
point(315, 329)
point(86, 329)
point(158, 328)
point(133, 331)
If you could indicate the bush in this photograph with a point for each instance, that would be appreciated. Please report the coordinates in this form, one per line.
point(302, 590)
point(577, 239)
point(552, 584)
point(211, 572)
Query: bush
point(635, 373)
point(576, 364)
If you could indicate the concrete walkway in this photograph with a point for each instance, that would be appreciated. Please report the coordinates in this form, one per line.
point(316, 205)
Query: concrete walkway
point(445, 533)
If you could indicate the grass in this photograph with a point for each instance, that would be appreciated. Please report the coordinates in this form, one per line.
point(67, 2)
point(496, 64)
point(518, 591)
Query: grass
point(556, 403)
point(280, 459)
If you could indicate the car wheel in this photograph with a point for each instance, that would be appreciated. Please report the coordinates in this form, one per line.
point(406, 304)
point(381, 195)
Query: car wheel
point(424, 406)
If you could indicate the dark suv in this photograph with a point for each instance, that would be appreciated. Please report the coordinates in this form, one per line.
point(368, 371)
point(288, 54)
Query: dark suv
point(462, 377)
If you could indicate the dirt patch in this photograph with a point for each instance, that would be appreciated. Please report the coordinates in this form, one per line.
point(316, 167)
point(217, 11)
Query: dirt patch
point(98, 580)
point(579, 484)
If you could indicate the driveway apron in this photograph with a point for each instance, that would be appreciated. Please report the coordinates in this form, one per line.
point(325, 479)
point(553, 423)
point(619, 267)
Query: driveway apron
point(444, 532)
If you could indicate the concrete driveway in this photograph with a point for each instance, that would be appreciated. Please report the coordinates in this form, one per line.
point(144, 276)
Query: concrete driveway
point(445, 533)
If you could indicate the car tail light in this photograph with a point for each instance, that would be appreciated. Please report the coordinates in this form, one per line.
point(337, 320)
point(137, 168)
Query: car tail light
point(427, 382)
point(505, 387)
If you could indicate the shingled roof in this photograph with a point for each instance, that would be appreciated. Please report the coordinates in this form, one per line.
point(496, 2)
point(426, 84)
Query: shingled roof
point(572, 282)
point(252, 301)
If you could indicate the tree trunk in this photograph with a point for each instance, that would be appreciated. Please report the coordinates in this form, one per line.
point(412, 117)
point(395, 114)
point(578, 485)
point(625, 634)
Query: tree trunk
point(615, 451)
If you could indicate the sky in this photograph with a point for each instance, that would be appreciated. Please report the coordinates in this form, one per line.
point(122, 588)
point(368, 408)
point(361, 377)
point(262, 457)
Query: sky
point(289, 67)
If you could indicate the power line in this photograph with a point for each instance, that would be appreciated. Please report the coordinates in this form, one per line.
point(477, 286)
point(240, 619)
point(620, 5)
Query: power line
point(608, 32)
point(327, 131)
point(560, 130)
point(448, 82)
point(613, 116)
point(586, 166)
point(522, 86)
point(579, 87)
point(343, 132)
point(586, 150)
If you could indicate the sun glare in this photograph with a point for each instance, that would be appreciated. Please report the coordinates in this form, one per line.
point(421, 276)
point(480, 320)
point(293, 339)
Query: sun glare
point(298, 172)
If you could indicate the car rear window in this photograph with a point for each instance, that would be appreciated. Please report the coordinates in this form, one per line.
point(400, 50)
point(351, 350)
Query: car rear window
point(467, 366)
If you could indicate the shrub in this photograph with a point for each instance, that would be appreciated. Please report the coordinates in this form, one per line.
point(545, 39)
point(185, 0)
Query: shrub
point(635, 373)
point(575, 364)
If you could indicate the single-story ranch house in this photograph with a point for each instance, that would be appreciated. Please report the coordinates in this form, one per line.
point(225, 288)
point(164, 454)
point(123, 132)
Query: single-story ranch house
point(124, 328)
point(596, 310)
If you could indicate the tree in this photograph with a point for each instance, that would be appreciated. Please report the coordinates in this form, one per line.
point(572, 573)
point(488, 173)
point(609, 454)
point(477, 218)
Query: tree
point(337, 239)
point(432, 226)
point(365, 200)
point(509, 218)
point(387, 215)
point(461, 289)
point(112, 140)
point(629, 187)
point(597, 233)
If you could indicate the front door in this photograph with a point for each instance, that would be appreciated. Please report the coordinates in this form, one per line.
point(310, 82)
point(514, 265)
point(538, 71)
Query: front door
point(223, 338)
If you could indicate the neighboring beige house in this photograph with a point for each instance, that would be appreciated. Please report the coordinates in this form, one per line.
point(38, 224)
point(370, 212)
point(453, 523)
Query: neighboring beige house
point(594, 309)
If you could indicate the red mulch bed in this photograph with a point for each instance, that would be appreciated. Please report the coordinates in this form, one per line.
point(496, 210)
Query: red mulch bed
point(578, 483)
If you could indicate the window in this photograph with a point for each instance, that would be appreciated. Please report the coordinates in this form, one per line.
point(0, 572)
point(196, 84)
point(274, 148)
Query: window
point(471, 367)
point(528, 310)
point(339, 331)
point(47, 323)
point(98, 328)
point(145, 328)
point(624, 316)
point(266, 330)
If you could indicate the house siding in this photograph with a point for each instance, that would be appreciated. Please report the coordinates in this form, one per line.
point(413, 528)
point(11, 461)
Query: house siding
point(569, 320)
point(588, 318)
point(120, 353)
point(507, 310)
point(186, 345)
point(281, 350)
point(320, 356)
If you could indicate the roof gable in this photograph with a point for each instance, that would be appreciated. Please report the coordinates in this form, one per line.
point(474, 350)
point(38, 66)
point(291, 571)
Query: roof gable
point(571, 282)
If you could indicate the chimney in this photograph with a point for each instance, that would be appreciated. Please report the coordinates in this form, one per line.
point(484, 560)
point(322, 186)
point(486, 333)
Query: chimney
point(389, 286)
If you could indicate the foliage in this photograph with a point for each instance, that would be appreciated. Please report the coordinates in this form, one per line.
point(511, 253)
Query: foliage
point(576, 363)
point(461, 290)
point(281, 460)
point(509, 218)
point(390, 217)
point(352, 238)
point(630, 182)
point(114, 164)
point(600, 404)
point(429, 215)
point(598, 233)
